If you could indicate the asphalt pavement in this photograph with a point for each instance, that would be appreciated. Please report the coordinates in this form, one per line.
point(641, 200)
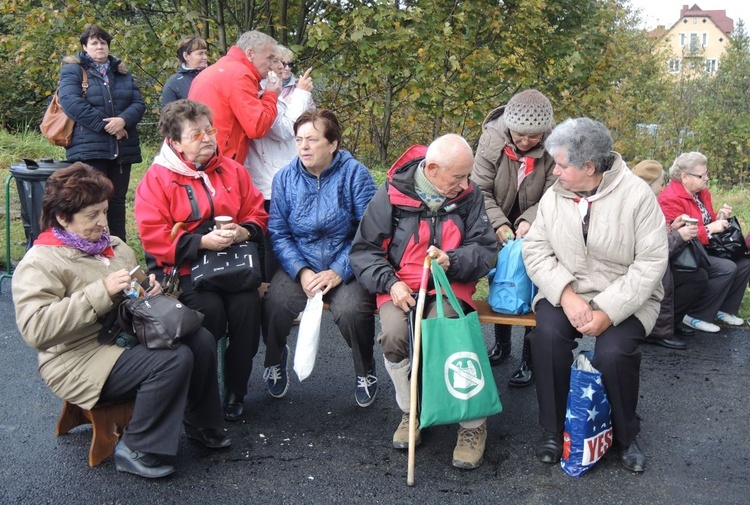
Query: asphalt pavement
point(317, 446)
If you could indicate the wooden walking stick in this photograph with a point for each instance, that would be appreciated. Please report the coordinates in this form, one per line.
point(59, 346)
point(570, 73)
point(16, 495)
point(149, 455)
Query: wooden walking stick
point(415, 370)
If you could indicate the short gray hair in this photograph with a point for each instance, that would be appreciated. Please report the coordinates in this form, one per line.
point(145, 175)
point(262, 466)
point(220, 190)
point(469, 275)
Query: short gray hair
point(254, 40)
point(584, 140)
point(284, 53)
point(686, 162)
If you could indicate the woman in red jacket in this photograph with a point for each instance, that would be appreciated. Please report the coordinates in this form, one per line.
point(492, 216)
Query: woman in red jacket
point(187, 186)
point(687, 193)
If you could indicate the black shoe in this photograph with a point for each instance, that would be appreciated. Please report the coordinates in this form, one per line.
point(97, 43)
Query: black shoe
point(522, 377)
point(499, 353)
point(549, 448)
point(233, 407)
point(676, 342)
point(684, 330)
point(632, 458)
point(209, 437)
point(139, 463)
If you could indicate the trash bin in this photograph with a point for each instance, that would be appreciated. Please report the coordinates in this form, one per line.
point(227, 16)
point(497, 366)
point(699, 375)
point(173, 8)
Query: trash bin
point(31, 178)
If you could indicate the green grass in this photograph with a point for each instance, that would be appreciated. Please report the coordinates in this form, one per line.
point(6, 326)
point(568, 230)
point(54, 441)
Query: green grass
point(31, 145)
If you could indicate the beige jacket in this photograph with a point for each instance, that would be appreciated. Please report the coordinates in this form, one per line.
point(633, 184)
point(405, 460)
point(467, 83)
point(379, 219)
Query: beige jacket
point(59, 294)
point(619, 269)
point(497, 175)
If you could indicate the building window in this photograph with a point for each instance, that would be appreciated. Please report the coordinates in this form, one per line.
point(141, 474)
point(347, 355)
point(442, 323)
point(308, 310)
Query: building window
point(683, 40)
point(694, 45)
point(674, 65)
point(711, 66)
point(705, 39)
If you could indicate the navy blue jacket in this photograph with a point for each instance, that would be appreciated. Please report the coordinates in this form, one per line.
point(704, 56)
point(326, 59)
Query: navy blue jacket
point(120, 98)
point(312, 220)
point(178, 86)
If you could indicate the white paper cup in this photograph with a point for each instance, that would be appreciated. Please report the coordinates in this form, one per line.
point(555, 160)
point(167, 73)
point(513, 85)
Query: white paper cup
point(222, 220)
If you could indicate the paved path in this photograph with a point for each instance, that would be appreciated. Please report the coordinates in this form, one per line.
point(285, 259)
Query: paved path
point(317, 446)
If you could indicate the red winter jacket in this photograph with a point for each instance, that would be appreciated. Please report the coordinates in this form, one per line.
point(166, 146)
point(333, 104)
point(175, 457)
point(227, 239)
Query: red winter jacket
point(675, 201)
point(230, 89)
point(164, 198)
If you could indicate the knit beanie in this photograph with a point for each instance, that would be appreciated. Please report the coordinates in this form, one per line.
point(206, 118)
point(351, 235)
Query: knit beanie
point(649, 170)
point(529, 112)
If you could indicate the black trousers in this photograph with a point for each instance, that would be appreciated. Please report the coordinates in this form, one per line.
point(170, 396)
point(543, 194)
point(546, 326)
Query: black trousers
point(237, 315)
point(168, 385)
point(727, 281)
point(616, 356)
point(689, 287)
point(119, 174)
point(352, 308)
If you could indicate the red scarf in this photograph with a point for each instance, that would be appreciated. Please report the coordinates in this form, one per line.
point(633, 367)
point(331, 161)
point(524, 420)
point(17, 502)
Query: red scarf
point(527, 159)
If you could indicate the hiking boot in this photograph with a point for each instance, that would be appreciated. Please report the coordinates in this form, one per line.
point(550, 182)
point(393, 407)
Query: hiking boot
point(276, 376)
point(401, 436)
point(470, 447)
point(367, 387)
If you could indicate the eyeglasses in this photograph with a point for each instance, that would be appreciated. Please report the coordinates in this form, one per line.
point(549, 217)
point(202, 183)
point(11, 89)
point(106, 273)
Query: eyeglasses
point(199, 136)
point(517, 137)
point(704, 175)
point(287, 64)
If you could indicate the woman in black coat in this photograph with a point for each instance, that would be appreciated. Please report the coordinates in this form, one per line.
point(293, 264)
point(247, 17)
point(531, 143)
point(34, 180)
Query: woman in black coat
point(106, 115)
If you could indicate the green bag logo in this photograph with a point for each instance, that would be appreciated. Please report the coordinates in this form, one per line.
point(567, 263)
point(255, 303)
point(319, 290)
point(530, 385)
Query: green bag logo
point(463, 375)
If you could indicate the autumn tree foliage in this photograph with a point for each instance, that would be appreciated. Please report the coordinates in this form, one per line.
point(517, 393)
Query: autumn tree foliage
point(397, 72)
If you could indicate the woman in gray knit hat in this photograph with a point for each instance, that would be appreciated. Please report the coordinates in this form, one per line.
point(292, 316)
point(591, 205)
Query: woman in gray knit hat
point(513, 170)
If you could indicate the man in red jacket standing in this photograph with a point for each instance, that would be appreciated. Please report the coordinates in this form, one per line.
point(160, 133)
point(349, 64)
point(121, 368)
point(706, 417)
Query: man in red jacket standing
point(230, 88)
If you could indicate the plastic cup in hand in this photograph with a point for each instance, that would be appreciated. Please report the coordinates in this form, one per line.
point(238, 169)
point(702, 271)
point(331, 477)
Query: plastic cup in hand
point(222, 220)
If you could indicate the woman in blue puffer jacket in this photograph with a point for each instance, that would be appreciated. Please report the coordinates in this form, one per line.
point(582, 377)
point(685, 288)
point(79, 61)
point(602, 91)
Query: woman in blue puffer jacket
point(106, 115)
point(316, 204)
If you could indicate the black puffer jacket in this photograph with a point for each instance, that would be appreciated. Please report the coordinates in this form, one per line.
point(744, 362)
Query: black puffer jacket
point(178, 86)
point(120, 98)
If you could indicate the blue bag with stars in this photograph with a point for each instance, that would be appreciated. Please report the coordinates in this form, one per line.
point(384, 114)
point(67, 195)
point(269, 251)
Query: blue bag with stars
point(588, 418)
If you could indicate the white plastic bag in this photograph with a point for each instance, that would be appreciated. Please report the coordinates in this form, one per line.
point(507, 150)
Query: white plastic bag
point(308, 337)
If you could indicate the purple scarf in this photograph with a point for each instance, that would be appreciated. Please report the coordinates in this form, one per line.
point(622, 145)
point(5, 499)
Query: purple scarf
point(73, 240)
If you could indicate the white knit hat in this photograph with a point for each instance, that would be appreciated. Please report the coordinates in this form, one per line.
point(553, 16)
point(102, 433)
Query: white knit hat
point(529, 112)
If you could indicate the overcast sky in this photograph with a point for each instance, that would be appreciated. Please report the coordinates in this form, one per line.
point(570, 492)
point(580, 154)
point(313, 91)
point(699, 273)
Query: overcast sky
point(667, 12)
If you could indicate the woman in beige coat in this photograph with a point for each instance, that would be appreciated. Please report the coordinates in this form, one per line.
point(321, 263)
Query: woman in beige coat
point(65, 288)
point(513, 171)
point(597, 252)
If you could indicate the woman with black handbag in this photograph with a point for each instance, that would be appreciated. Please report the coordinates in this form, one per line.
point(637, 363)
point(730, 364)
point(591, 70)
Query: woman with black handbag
point(181, 197)
point(65, 290)
point(687, 193)
point(686, 278)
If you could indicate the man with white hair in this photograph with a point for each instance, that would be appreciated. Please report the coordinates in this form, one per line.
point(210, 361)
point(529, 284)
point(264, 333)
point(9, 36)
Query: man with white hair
point(230, 88)
point(428, 204)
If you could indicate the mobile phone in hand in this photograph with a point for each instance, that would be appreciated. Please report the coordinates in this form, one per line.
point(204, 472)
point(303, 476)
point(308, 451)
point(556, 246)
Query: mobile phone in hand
point(141, 277)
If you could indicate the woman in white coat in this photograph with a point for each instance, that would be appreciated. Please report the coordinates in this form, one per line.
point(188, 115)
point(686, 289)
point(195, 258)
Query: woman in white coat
point(597, 252)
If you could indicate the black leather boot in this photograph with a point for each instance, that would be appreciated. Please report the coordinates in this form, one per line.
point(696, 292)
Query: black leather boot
point(501, 351)
point(524, 375)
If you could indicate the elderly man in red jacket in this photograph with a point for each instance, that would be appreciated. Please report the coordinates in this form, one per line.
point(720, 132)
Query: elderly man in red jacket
point(230, 88)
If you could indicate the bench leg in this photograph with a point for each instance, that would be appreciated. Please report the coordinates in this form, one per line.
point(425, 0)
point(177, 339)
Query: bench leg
point(107, 422)
point(71, 416)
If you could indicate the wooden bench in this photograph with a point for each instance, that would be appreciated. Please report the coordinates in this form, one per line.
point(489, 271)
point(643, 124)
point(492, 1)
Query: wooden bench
point(107, 422)
point(486, 315)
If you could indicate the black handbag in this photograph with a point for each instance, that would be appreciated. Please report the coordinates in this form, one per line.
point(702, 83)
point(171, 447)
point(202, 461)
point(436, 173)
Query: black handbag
point(159, 321)
point(235, 269)
point(728, 244)
point(691, 257)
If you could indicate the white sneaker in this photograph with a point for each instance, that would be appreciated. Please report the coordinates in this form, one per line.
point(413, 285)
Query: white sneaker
point(729, 319)
point(700, 325)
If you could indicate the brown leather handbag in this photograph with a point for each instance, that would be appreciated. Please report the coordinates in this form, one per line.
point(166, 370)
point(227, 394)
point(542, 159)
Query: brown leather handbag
point(56, 126)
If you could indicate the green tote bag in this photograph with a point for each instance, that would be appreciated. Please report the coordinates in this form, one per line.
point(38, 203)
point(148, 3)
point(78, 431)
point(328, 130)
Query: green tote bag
point(457, 381)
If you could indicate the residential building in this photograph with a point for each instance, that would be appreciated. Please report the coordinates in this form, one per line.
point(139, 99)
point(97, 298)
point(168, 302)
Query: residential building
point(697, 40)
